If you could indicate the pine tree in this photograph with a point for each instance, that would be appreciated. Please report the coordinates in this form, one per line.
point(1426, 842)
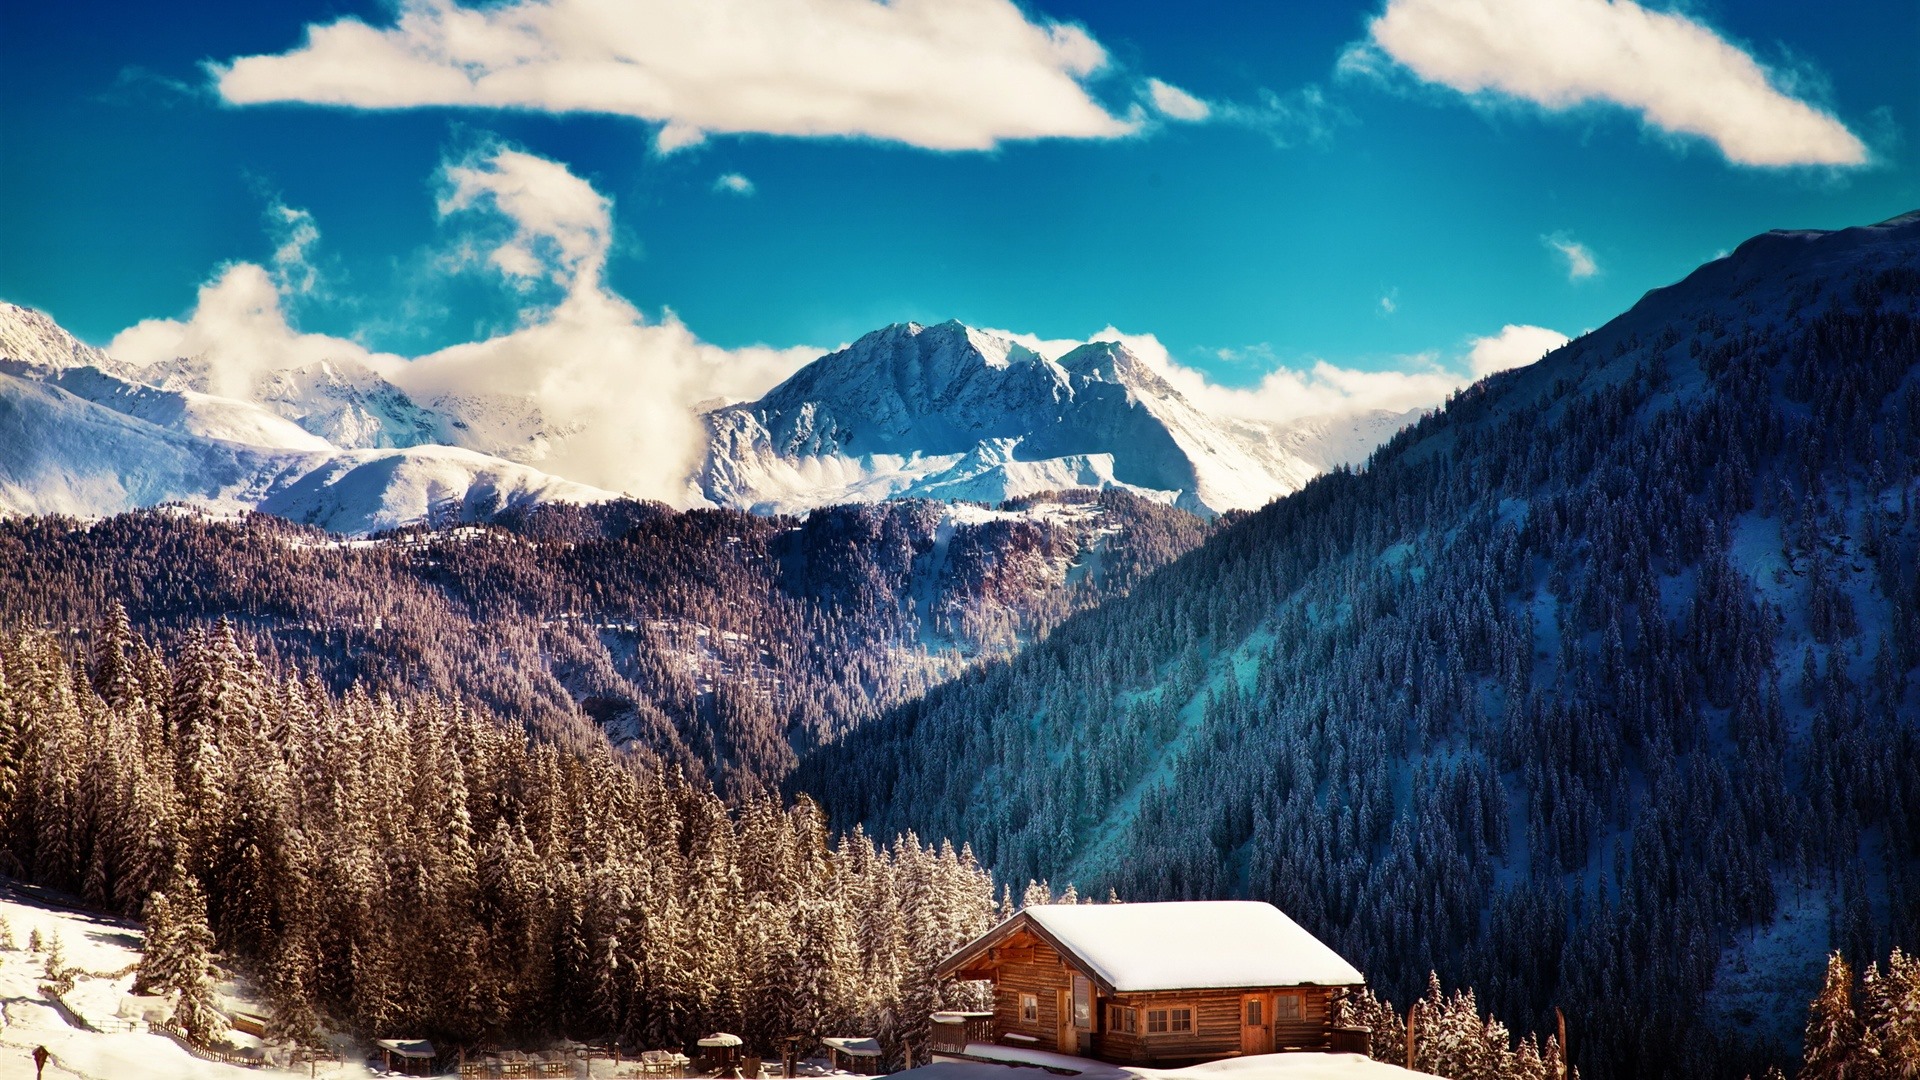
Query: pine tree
point(288, 977)
point(1833, 1031)
point(178, 960)
point(1890, 1017)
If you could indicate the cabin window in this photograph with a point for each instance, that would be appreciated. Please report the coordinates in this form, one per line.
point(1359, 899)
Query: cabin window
point(1082, 1003)
point(1286, 1007)
point(1122, 1020)
point(1253, 1013)
point(1029, 1009)
point(1173, 1020)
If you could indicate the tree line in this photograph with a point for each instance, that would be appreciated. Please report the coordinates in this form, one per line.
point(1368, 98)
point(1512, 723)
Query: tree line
point(417, 869)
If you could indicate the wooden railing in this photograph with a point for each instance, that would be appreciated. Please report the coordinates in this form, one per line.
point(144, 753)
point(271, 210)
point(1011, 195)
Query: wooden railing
point(949, 1037)
point(204, 1053)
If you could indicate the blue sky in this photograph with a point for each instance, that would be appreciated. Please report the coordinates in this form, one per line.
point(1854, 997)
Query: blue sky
point(1373, 185)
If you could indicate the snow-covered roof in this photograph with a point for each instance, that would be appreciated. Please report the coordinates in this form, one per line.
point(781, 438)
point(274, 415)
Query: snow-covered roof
point(406, 1048)
point(1188, 945)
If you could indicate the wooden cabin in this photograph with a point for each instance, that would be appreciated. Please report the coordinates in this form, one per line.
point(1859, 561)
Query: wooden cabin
point(1152, 984)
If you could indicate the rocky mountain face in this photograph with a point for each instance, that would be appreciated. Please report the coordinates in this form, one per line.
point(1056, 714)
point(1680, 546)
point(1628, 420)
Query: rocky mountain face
point(952, 412)
point(1596, 689)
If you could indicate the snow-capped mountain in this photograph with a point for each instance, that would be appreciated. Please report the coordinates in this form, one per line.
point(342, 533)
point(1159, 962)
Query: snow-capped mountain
point(944, 412)
point(342, 400)
point(952, 412)
point(85, 435)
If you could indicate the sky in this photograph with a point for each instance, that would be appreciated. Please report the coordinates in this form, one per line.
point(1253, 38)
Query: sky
point(1292, 203)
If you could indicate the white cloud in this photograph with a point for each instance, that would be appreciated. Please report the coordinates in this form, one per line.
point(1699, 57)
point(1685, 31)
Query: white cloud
point(623, 389)
point(1176, 104)
point(1390, 302)
point(294, 235)
point(733, 183)
point(563, 228)
point(941, 74)
point(1303, 114)
point(1514, 346)
point(1580, 261)
point(239, 324)
point(1678, 74)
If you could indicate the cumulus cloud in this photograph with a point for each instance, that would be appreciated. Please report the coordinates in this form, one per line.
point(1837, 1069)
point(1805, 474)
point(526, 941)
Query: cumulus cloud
point(562, 227)
point(1679, 75)
point(617, 393)
point(940, 74)
point(733, 184)
point(1514, 346)
point(1176, 104)
point(1321, 388)
point(239, 326)
point(1580, 261)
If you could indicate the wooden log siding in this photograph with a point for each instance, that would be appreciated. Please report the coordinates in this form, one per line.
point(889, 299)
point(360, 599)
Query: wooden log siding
point(1216, 1025)
point(1043, 976)
point(1026, 960)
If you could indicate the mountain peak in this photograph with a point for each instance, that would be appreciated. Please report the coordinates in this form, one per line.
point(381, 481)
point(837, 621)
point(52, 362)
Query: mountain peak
point(33, 338)
point(951, 411)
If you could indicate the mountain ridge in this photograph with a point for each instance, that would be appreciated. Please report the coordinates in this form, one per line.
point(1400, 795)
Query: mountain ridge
point(84, 435)
point(912, 409)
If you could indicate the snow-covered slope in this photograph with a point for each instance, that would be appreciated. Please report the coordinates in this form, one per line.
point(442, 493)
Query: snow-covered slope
point(342, 400)
point(952, 412)
point(97, 1029)
point(84, 435)
point(194, 413)
point(360, 491)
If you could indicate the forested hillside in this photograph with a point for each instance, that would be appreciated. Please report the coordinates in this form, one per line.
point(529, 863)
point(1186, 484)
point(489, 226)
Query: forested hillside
point(1595, 690)
point(416, 870)
point(717, 641)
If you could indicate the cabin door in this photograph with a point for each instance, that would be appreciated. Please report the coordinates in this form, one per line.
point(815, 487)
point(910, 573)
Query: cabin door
point(1068, 1041)
point(1256, 1024)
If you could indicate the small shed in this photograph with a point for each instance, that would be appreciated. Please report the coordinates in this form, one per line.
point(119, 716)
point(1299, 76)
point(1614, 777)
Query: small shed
point(248, 1023)
point(409, 1057)
point(1163, 984)
point(720, 1053)
point(860, 1055)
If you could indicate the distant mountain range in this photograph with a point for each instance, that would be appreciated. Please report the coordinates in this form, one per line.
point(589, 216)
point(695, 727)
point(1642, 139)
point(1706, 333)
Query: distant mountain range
point(952, 412)
point(944, 412)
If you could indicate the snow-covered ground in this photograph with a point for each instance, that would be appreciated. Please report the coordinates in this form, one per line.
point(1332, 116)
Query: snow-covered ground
point(1022, 1065)
point(95, 1031)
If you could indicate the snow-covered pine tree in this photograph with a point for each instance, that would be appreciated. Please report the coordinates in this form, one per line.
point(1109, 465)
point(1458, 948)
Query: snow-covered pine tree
point(1833, 1030)
point(1890, 1017)
point(178, 959)
point(293, 1019)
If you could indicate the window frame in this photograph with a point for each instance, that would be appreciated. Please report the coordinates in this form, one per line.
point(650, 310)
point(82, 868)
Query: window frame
point(1081, 997)
point(1030, 1009)
point(1192, 1017)
point(1281, 1000)
point(1122, 1019)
